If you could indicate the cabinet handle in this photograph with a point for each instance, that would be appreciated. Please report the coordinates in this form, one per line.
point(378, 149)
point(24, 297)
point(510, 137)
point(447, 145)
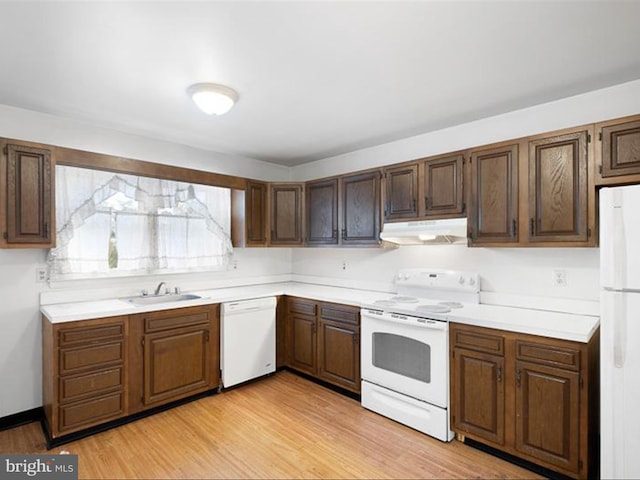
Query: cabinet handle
point(46, 229)
point(426, 203)
point(518, 378)
point(334, 234)
point(499, 374)
point(344, 233)
point(414, 204)
point(531, 226)
point(356, 339)
point(513, 228)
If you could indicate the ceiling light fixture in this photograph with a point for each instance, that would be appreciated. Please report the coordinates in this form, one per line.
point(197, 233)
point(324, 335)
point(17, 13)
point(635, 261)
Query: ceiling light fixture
point(213, 99)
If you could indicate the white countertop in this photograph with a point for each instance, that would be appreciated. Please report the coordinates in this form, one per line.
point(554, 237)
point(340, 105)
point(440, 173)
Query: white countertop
point(536, 322)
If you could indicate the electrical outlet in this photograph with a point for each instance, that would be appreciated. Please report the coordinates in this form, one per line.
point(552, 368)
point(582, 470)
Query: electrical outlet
point(344, 264)
point(41, 274)
point(235, 264)
point(559, 278)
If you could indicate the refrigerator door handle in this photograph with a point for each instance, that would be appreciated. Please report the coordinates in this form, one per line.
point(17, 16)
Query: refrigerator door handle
point(618, 251)
point(619, 319)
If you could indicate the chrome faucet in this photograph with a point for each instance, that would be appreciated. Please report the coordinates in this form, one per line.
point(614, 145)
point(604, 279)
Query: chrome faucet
point(159, 287)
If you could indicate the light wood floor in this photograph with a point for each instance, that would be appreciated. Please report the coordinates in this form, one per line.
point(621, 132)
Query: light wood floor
point(282, 426)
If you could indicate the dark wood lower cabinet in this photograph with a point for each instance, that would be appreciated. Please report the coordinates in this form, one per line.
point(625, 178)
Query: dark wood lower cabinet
point(532, 397)
point(324, 341)
point(99, 370)
point(478, 406)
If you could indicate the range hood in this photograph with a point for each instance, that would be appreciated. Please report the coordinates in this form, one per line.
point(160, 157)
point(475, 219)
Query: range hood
point(428, 232)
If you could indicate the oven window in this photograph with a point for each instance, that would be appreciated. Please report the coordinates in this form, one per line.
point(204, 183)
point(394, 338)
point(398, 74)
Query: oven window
point(402, 355)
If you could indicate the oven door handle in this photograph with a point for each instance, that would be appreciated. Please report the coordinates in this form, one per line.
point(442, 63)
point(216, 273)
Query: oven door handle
point(406, 320)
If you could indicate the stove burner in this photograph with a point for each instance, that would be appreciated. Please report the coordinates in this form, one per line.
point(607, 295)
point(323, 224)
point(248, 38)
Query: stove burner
point(451, 304)
point(403, 299)
point(432, 308)
point(385, 303)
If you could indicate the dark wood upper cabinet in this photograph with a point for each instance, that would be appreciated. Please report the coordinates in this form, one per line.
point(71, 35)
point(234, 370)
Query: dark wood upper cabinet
point(620, 149)
point(360, 209)
point(443, 186)
point(27, 195)
point(286, 214)
point(256, 213)
point(558, 195)
point(493, 200)
point(322, 212)
point(401, 193)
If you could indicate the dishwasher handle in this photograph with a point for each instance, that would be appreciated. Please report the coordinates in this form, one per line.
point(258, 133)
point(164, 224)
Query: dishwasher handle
point(252, 305)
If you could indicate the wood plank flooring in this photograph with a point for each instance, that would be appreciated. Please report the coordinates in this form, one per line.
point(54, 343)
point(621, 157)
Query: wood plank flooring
point(283, 426)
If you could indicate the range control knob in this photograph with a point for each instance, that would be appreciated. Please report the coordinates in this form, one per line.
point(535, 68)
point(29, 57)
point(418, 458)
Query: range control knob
point(461, 280)
point(472, 281)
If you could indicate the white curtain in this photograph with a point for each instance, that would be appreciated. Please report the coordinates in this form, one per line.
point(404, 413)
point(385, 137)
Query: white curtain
point(116, 224)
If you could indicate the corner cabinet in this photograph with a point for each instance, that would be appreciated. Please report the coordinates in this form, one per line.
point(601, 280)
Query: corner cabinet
point(324, 341)
point(532, 397)
point(27, 198)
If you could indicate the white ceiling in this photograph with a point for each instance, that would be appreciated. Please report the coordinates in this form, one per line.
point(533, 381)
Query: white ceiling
point(315, 79)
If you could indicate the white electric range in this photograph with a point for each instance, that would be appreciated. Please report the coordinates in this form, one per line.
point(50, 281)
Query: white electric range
point(405, 347)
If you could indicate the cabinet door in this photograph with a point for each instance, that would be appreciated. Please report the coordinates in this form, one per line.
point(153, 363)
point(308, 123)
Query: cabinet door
point(361, 209)
point(256, 213)
point(558, 188)
point(493, 200)
point(176, 364)
point(401, 192)
point(302, 353)
point(286, 214)
point(478, 395)
point(620, 149)
point(548, 414)
point(339, 354)
point(443, 190)
point(28, 196)
point(322, 212)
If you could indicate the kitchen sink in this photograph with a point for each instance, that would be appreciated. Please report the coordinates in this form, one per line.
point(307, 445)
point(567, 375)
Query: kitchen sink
point(155, 299)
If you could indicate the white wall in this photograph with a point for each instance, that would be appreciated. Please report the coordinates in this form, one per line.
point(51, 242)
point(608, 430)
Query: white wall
point(617, 101)
point(23, 124)
point(522, 271)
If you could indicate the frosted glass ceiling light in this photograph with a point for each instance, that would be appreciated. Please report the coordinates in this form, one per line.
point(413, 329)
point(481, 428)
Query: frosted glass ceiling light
point(213, 99)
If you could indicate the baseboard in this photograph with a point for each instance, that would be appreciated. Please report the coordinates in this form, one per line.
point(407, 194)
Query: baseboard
point(21, 418)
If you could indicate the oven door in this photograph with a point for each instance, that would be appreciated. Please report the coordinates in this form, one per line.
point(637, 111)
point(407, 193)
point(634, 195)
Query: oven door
point(405, 354)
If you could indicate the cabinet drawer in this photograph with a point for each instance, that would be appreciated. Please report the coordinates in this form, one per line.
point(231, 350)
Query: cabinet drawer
point(88, 412)
point(159, 323)
point(101, 333)
point(554, 356)
point(330, 312)
point(76, 359)
point(90, 384)
point(306, 307)
point(478, 341)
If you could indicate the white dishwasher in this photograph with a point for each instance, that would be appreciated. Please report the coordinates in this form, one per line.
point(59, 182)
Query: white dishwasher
point(247, 340)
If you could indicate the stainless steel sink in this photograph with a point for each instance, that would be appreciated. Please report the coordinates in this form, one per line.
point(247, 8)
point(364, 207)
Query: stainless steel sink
point(155, 299)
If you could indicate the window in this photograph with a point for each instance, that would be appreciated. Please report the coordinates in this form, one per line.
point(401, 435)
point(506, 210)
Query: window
point(112, 224)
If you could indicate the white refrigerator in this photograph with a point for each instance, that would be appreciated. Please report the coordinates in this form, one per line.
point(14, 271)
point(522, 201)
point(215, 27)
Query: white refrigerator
point(620, 332)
